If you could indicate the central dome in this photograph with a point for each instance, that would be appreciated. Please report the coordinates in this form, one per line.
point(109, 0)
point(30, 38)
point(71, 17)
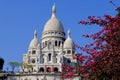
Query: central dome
point(53, 24)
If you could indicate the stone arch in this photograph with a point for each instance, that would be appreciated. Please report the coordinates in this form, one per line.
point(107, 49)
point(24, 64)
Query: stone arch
point(41, 69)
point(55, 69)
point(48, 69)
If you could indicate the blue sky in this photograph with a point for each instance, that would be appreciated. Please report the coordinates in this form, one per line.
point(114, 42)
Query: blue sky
point(19, 19)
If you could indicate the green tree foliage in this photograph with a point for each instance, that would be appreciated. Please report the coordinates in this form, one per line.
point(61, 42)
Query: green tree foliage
point(13, 65)
point(1, 63)
point(103, 59)
point(27, 65)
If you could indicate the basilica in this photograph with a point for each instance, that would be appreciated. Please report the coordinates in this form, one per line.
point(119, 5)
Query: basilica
point(47, 55)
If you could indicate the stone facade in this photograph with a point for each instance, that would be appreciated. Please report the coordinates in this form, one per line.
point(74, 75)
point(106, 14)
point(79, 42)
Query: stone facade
point(40, 76)
point(54, 49)
point(46, 56)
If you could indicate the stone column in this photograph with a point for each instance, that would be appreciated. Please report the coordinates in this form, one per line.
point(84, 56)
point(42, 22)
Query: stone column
point(52, 69)
point(44, 68)
point(45, 58)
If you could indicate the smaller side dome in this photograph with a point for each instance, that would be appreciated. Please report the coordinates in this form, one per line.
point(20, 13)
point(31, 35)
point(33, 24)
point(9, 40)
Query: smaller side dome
point(69, 43)
point(34, 42)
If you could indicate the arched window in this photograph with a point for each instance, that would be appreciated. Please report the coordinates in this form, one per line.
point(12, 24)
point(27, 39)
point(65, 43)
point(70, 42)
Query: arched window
point(49, 57)
point(55, 43)
point(59, 43)
point(33, 52)
point(48, 69)
point(41, 69)
point(68, 51)
point(55, 69)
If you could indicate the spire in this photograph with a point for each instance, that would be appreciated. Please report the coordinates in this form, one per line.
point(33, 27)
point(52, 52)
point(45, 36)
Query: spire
point(54, 11)
point(35, 34)
point(68, 33)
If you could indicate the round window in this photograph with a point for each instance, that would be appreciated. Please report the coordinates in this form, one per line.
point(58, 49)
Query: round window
point(33, 60)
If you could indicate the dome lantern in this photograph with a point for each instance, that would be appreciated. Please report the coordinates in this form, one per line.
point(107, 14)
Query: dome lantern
point(54, 11)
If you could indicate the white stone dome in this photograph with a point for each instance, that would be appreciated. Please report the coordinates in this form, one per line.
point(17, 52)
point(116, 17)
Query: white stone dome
point(53, 24)
point(69, 43)
point(34, 42)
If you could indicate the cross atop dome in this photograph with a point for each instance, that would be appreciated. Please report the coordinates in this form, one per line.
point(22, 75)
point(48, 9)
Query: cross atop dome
point(54, 11)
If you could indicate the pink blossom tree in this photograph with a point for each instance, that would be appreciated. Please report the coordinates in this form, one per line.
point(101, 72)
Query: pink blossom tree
point(102, 61)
